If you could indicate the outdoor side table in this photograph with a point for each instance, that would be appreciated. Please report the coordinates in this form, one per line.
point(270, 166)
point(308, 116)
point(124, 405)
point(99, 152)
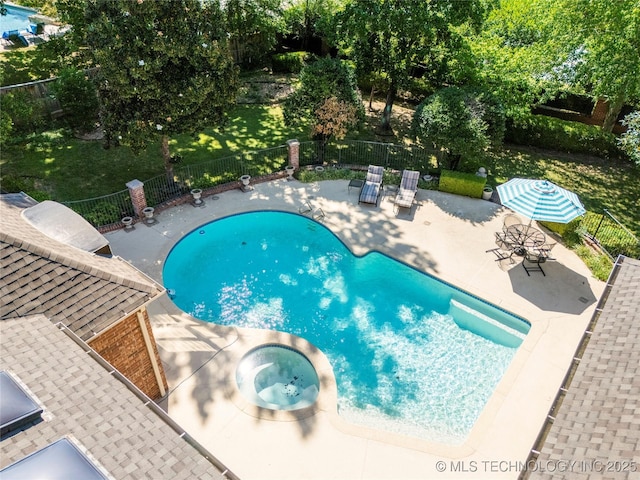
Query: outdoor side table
point(355, 183)
point(392, 189)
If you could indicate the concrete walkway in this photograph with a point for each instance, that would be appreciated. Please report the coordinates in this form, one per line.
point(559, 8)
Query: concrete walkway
point(444, 235)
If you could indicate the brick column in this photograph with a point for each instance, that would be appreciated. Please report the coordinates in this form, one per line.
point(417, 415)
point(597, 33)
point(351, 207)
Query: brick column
point(136, 192)
point(294, 153)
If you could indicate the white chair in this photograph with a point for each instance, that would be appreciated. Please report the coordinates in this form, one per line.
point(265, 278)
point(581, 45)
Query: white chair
point(408, 189)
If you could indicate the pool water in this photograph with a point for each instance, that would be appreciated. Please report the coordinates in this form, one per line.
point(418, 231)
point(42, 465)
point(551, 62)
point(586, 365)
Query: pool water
point(17, 18)
point(410, 353)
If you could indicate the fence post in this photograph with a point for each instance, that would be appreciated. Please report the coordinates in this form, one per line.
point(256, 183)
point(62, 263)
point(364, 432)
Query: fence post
point(136, 192)
point(294, 153)
point(599, 223)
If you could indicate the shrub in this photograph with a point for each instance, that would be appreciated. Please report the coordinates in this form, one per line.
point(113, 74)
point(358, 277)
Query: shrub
point(599, 264)
point(78, 98)
point(556, 134)
point(630, 140)
point(461, 183)
point(103, 213)
point(290, 62)
point(25, 112)
point(461, 121)
point(569, 230)
point(14, 184)
point(6, 127)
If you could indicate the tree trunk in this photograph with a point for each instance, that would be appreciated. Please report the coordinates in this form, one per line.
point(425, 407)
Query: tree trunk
point(615, 106)
point(385, 125)
point(373, 91)
point(322, 141)
point(454, 161)
point(166, 157)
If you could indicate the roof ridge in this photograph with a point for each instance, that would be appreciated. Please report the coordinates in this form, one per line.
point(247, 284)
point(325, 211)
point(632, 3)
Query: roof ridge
point(93, 270)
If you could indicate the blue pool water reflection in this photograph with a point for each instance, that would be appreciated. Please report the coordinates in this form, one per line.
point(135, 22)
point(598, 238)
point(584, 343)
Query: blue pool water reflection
point(17, 18)
point(410, 353)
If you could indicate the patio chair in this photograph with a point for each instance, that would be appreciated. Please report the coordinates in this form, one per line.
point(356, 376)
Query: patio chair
point(408, 189)
point(534, 260)
point(372, 187)
point(546, 250)
point(504, 249)
point(509, 220)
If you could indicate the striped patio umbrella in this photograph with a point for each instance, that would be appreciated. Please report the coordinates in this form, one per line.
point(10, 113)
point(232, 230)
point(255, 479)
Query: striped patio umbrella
point(540, 200)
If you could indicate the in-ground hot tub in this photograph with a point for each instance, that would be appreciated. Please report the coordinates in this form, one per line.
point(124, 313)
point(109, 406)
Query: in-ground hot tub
point(277, 377)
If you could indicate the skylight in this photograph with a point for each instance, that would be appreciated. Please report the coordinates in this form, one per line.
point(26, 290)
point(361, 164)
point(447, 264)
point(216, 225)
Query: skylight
point(17, 408)
point(61, 460)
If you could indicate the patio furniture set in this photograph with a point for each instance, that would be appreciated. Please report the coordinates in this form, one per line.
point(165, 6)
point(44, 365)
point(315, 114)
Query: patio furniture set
point(539, 200)
point(530, 243)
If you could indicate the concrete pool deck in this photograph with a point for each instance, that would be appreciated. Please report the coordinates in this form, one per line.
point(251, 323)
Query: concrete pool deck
point(444, 235)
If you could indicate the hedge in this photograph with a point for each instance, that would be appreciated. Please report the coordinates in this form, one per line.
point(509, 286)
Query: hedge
point(461, 183)
point(290, 62)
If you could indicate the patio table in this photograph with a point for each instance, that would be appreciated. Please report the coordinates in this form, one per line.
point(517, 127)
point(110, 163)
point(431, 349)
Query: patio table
point(355, 182)
point(524, 237)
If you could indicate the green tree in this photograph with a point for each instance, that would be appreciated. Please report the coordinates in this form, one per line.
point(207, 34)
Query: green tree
point(531, 50)
point(253, 26)
point(630, 140)
point(78, 98)
point(306, 19)
point(164, 69)
point(460, 121)
point(600, 43)
point(391, 37)
point(320, 81)
point(513, 55)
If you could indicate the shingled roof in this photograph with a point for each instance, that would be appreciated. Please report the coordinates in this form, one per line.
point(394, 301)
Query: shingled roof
point(596, 431)
point(95, 408)
point(85, 291)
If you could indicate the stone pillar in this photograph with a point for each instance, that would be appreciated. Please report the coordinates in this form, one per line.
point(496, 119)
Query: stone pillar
point(294, 153)
point(136, 192)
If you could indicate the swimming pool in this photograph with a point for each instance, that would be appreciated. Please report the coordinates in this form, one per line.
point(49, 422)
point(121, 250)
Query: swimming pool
point(17, 18)
point(410, 353)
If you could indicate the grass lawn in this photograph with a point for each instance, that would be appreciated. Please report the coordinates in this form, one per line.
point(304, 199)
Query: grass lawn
point(600, 184)
point(68, 168)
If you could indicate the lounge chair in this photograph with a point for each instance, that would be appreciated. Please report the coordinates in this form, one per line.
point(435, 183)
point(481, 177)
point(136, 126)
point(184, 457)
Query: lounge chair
point(408, 189)
point(372, 187)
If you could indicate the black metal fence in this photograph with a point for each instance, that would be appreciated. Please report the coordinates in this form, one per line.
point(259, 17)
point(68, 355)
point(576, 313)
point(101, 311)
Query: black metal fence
point(603, 229)
point(105, 210)
point(356, 152)
point(613, 237)
point(203, 175)
point(110, 209)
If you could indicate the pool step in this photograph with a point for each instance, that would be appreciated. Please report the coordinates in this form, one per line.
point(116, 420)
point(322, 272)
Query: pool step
point(482, 324)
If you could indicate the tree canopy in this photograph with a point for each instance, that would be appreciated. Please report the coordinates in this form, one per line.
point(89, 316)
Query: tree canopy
point(392, 37)
point(165, 68)
point(600, 40)
point(531, 50)
point(460, 121)
point(319, 81)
